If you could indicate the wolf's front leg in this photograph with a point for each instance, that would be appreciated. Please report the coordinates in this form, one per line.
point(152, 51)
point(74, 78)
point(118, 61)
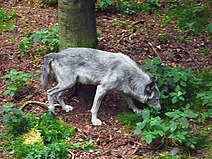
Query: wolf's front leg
point(131, 104)
point(65, 107)
point(100, 93)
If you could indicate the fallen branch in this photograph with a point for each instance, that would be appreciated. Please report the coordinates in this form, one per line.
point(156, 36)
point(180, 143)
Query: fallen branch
point(45, 105)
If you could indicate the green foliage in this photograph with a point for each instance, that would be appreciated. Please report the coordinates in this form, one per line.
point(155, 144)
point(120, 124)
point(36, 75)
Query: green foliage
point(129, 6)
point(199, 90)
point(172, 81)
point(178, 87)
point(191, 17)
point(55, 150)
point(17, 123)
point(6, 20)
point(175, 127)
point(47, 39)
point(179, 129)
point(99, 34)
point(38, 137)
point(53, 130)
point(87, 146)
point(15, 81)
point(129, 119)
point(104, 4)
point(151, 127)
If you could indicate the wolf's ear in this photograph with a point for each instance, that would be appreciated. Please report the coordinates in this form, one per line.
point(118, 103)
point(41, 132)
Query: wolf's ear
point(149, 88)
point(152, 79)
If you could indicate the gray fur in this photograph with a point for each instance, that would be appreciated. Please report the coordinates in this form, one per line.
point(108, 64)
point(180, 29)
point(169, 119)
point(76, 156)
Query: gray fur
point(109, 71)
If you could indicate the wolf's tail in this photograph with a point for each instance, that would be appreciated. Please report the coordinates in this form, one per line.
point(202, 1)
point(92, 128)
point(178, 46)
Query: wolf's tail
point(46, 71)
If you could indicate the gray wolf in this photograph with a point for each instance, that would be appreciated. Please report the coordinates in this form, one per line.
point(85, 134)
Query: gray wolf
point(109, 71)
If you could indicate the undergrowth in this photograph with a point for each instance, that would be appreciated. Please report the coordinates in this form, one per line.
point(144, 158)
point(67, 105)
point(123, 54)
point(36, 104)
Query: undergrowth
point(186, 101)
point(37, 137)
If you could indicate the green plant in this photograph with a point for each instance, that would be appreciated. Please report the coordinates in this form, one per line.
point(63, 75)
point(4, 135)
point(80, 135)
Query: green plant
point(151, 127)
point(38, 137)
point(191, 17)
point(99, 34)
point(6, 20)
point(87, 146)
point(53, 130)
point(129, 119)
point(17, 123)
point(104, 4)
point(47, 39)
point(55, 150)
point(150, 6)
point(175, 127)
point(172, 81)
point(179, 129)
point(15, 81)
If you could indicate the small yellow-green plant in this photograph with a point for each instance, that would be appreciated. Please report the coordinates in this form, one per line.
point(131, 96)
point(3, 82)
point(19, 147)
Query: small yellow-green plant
point(6, 20)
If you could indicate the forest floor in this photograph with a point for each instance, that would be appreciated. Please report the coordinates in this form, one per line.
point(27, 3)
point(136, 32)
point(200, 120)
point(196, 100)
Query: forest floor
point(133, 35)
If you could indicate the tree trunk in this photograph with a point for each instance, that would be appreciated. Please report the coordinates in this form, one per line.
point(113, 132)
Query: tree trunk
point(77, 23)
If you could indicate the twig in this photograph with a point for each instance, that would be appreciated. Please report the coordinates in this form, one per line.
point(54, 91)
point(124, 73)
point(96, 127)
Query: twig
point(133, 31)
point(72, 155)
point(153, 48)
point(122, 38)
point(45, 105)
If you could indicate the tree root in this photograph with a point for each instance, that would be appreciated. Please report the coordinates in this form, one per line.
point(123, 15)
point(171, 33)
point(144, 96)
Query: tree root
point(44, 105)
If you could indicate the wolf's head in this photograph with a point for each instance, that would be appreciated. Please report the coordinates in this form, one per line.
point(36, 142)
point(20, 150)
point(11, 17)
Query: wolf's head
point(152, 94)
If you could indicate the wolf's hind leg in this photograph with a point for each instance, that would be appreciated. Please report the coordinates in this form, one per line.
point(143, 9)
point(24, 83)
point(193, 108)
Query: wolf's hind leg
point(55, 91)
point(65, 107)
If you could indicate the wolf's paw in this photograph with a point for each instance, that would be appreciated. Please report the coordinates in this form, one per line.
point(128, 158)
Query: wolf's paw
point(137, 111)
point(68, 108)
point(96, 122)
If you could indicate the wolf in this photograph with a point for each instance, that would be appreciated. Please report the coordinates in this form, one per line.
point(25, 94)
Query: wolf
point(109, 71)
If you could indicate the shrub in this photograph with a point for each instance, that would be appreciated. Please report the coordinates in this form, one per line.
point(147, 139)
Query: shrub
point(15, 81)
